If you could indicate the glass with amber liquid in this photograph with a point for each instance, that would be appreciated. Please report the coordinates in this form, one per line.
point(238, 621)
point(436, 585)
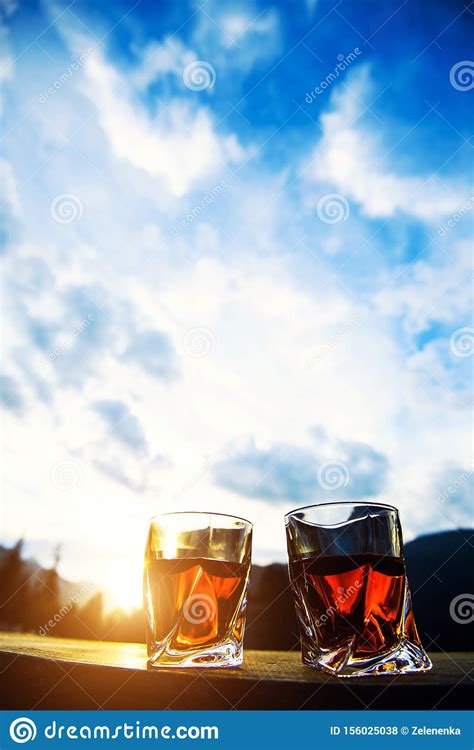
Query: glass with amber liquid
point(196, 578)
point(350, 590)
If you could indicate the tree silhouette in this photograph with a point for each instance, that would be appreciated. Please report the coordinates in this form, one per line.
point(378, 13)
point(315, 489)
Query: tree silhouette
point(44, 595)
point(14, 595)
point(90, 617)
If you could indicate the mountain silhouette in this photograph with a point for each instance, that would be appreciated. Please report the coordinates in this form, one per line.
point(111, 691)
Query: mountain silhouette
point(440, 572)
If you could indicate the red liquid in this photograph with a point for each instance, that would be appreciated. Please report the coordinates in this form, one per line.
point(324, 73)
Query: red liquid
point(355, 601)
point(195, 602)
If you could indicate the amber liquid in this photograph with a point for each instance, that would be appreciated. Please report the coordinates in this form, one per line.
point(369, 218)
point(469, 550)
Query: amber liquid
point(195, 602)
point(344, 599)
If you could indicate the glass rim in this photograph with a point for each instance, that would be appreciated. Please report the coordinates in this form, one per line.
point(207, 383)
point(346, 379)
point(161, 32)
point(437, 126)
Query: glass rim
point(384, 506)
point(200, 513)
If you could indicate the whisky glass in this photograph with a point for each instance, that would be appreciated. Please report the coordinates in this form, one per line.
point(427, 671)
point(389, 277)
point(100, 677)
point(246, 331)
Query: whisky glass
point(196, 578)
point(350, 590)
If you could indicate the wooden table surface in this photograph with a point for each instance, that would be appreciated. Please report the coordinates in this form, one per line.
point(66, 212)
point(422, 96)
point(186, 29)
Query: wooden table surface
point(62, 673)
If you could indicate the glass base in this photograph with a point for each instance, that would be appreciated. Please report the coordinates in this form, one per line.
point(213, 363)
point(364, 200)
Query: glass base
point(406, 658)
point(229, 654)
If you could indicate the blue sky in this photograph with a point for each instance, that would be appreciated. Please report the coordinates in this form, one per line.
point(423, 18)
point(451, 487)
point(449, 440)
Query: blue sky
point(237, 268)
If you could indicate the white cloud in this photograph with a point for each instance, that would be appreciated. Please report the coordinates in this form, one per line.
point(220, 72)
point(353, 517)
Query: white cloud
point(350, 158)
point(6, 66)
point(158, 59)
point(238, 25)
point(238, 39)
point(10, 192)
point(430, 292)
point(179, 144)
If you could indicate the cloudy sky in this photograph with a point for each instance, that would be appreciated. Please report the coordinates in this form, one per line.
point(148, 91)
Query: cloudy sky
point(237, 268)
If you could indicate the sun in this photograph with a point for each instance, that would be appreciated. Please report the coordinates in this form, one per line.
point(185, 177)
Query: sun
point(123, 587)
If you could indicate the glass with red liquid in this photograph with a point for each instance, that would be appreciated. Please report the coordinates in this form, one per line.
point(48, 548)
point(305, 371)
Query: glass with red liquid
point(350, 590)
